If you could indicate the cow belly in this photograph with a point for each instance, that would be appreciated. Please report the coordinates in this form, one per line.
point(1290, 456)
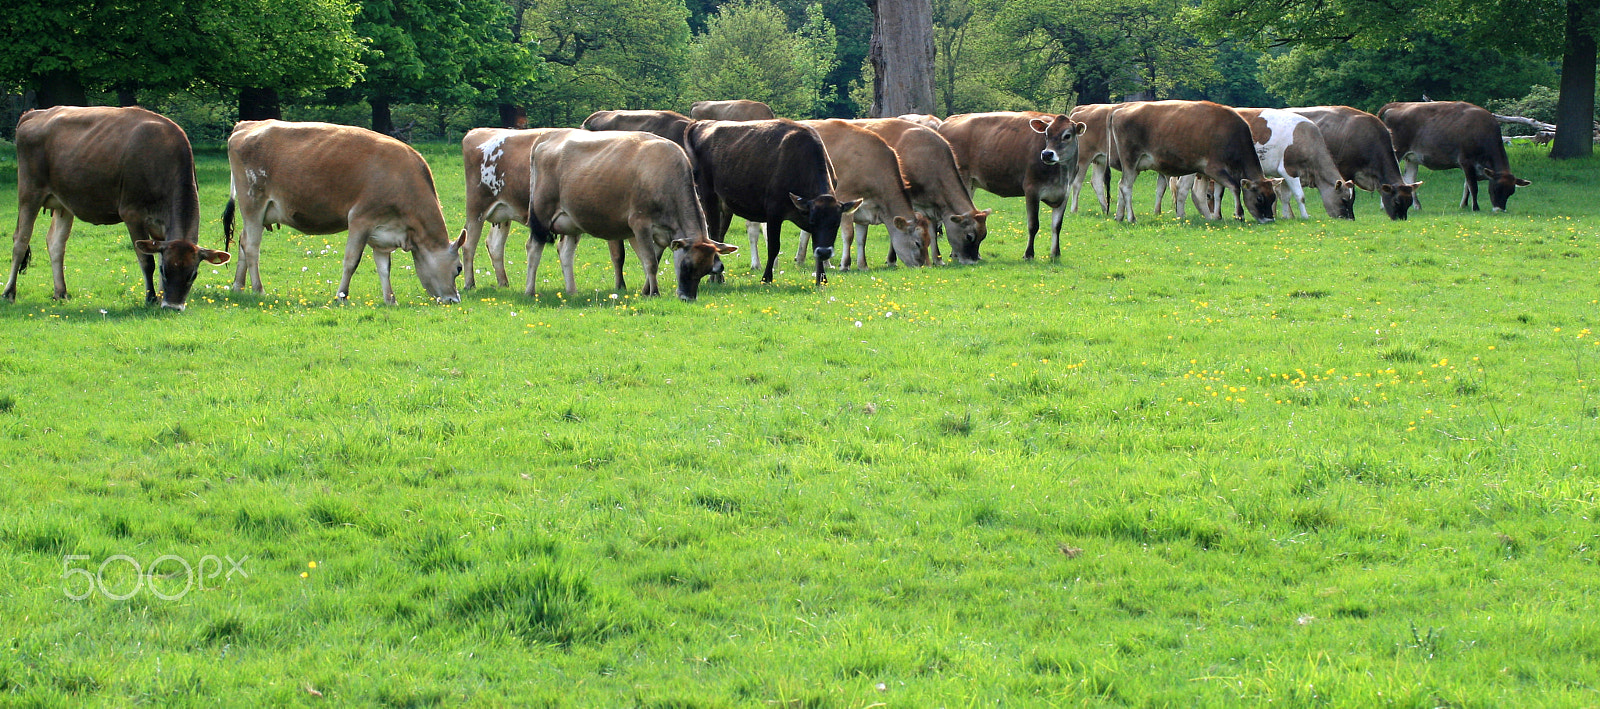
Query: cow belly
point(314, 222)
point(95, 214)
point(387, 237)
point(500, 213)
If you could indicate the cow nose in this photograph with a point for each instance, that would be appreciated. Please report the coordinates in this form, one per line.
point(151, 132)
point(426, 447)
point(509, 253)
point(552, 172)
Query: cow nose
point(174, 306)
point(1048, 156)
point(449, 299)
point(824, 252)
point(1496, 210)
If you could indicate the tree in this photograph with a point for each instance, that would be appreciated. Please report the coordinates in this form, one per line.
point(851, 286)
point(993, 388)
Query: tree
point(606, 54)
point(263, 47)
point(902, 57)
point(749, 52)
point(64, 48)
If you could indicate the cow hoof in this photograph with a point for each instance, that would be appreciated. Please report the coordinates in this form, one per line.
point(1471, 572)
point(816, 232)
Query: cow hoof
point(63, 295)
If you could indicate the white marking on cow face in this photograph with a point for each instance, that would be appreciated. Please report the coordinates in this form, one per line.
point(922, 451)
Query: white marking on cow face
point(487, 172)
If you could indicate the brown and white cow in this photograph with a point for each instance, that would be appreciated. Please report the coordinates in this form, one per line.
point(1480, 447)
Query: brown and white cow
point(1363, 150)
point(497, 181)
point(771, 172)
point(104, 166)
point(1095, 154)
point(1177, 138)
point(619, 186)
point(1029, 155)
point(931, 122)
point(322, 178)
point(868, 170)
point(1290, 146)
point(735, 110)
point(1445, 135)
point(934, 184)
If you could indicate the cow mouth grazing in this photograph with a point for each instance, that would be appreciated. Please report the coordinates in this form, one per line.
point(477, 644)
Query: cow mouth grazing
point(174, 306)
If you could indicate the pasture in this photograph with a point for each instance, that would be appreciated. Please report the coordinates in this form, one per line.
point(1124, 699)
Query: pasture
point(1191, 464)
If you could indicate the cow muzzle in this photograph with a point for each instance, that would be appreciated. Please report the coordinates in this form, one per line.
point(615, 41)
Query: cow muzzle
point(1049, 157)
point(824, 252)
point(448, 299)
point(174, 306)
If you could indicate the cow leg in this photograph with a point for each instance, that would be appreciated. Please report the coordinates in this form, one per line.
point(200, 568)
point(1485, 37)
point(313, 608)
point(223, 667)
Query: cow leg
point(1298, 190)
point(1470, 190)
point(1181, 193)
point(1074, 186)
point(619, 258)
point(753, 230)
point(804, 240)
point(1031, 206)
point(20, 250)
point(1162, 181)
point(353, 246)
point(1408, 172)
point(498, 234)
point(251, 229)
point(649, 259)
point(1125, 195)
point(147, 263)
point(567, 249)
point(469, 250)
point(1057, 213)
point(1100, 179)
point(56, 239)
point(938, 235)
point(535, 251)
point(380, 261)
point(773, 228)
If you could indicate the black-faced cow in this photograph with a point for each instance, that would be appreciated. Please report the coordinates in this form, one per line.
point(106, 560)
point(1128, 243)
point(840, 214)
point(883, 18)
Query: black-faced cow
point(935, 185)
point(1176, 138)
point(619, 186)
point(771, 172)
point(1444, 135)
point(1291, 147)
point(1363, 150)
point(735, 110)
point(104, 166)
point(322, 178)
point(1029, 155)
point(867, 170)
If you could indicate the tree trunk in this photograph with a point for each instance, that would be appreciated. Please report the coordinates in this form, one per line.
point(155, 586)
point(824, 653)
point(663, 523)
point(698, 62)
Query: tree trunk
point(382, 119)
point(1575, 107)
point(259, 104)
point(902, 57)
point(127, 95)
point(513, 116)
point(61, 88)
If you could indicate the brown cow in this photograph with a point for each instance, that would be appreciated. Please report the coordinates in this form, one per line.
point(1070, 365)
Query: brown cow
point(1364, 152)
point(768, 171)
point(619, 185)
point(667, 124)
point(930, 122)
point(1290, 146)
point(935, 185)
point(1176, 138)
point(1095, 155)
point(497, 182)
point(735, 110)
point(868, 170)
point(322, 178)
point(104, 166)
point(1444, 135)
point(1029, 155)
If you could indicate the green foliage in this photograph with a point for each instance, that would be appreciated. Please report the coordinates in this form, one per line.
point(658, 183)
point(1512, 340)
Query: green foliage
point(1539, 104)
point(606, 54)
point(451, 53)
point(749, 52)
point(288, 45)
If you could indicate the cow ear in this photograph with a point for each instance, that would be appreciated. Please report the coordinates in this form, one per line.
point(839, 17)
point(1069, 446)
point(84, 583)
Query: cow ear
point(981, 215)
point(1486, 171)
point(1246, 184)
point(960, 218)
point(680, 244)
point(1523, 183)
point(215, 258)
point(723, 248)
point(799, 202)
point(849, 206)
point(1416, 184)
point(460, 241)
point(1040, 125)
point(1079, 128)
point(149, 247)
point(1386, 188)
point(902, 223)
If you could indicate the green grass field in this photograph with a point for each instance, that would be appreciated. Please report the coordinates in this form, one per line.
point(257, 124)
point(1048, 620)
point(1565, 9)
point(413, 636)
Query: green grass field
point(1191, 464)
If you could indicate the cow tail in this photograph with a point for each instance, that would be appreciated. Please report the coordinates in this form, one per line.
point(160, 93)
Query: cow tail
point(227, 225)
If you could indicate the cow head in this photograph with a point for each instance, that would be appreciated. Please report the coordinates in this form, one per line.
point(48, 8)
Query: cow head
point(1501, 186)
point(180, 262)
point(1060, 139)
point(438, 269)
point(911, 239)
point(693, 260)
point(1398, 198)
point(965, 232)
point(820, 217)
point(1259, 198)
point(1344, 199)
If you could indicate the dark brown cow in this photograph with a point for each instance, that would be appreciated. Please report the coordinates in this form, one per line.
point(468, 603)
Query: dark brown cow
point(1363, 151)
point(1177, 138)
point(322, 178)
point(619, 186)
point(497, 182)
point(934, 183)
point(1290, 146)
point(1095, 155)
point(104, 166)
point(1029, 155)
point(1444, 135)
point(735, 110)
point(768, 171)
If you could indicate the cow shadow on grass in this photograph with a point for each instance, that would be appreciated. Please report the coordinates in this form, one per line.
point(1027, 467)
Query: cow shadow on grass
point(82, 311)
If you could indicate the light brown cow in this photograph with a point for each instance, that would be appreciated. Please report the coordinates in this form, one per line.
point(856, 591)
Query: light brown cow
point(935, 186)
point(735, 110)
point(497, 182)
point(619, 185)
point(1364, 152)
point(104, 166)
point(1029, 155)
point(1291, 147)
point(925, 120)
point(868, 169)
point(1177, 138)
point(322, 178)
point(1095, 155)
point(1443, 135)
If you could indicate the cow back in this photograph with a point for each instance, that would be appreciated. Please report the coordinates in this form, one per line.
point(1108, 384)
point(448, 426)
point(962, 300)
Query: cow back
point(999, 151)
point(1446, 134)
point(734, 110)
point(753, 166)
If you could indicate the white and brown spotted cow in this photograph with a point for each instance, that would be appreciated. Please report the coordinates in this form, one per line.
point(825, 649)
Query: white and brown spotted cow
point(1177, 138)
point(1363, 149)
point(322, 178)
point(1028, 154)
point(619, 186)
point(109, 165)
point(1290, 146)
point(1444, 135)
point(868, 170)
point(496, 162)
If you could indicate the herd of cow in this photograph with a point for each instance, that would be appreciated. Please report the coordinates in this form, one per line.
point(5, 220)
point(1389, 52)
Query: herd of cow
point(662, 180)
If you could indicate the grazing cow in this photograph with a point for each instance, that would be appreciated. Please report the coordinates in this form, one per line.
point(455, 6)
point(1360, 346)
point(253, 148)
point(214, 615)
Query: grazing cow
point(1095, 155)
point(667, 124)
point(1177, 138)
point(768, 171)
point(922, 119)
point(1029, 155)
point(321, 178)
point(868, 170)
point(619, 185)
point(1363, 151)
point(497, 181)
point(104, 166)
point(1291, 147)
point(936, 189)
point(735, 110)
point(1444, 135)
